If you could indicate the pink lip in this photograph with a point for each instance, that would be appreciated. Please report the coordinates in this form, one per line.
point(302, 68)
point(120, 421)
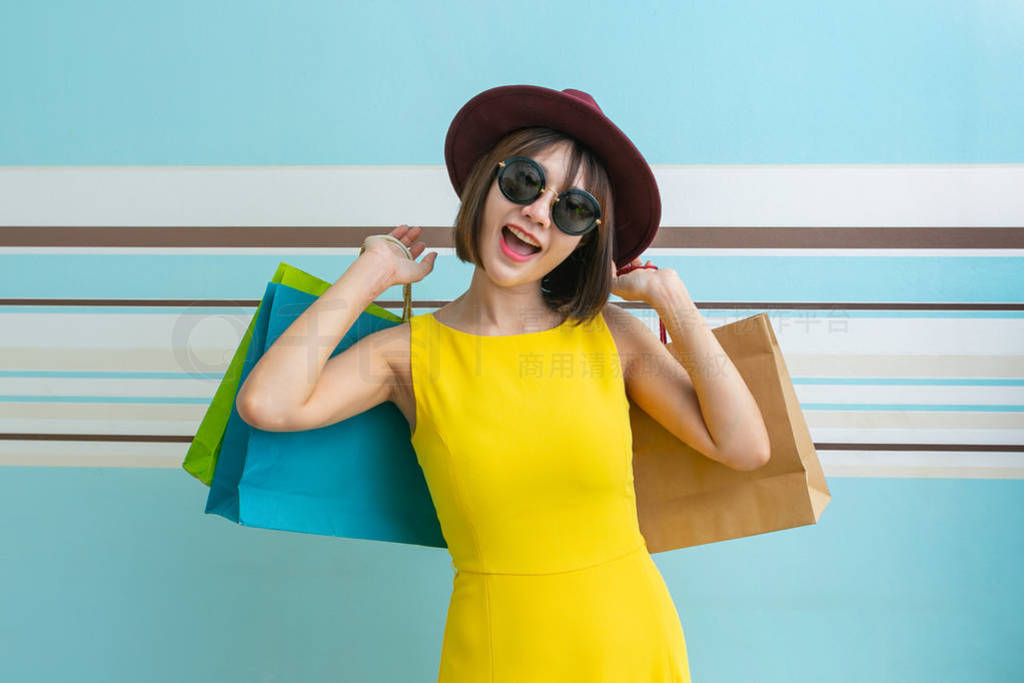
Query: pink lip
point(511, 254)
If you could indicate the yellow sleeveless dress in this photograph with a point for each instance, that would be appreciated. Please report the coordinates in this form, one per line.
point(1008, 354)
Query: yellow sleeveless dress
point(526, 448)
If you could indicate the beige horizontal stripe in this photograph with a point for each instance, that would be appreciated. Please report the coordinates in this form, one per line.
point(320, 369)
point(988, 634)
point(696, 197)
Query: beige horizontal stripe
point(957, 472)
point(92, 454)
point(708, 237)
point(104, 360)
point(935, 366)
point(136, 428)
point(925, 464)
point(912, 420)
point(189, 387)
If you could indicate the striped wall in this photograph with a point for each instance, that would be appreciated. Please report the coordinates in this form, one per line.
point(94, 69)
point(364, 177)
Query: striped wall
point(903, 333)
point(855, 170)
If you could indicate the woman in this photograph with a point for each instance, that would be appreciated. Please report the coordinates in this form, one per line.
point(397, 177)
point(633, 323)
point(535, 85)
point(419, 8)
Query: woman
point(516, 392)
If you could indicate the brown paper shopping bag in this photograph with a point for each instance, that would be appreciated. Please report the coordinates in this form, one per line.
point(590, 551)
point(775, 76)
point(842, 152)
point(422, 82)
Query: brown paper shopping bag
point(684, 498)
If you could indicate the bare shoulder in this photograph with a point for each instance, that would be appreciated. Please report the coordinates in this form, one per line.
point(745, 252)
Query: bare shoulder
point(624, 325)
point(394, 347)
point(625, 329)
point(393, 344)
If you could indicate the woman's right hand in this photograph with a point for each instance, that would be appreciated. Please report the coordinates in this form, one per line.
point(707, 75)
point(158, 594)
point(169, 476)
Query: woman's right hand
point(393, 260)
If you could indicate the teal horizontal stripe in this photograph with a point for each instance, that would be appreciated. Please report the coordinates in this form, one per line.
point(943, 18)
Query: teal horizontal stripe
point(326, 82)
point(923, 279)
point(102, 374)
point(825, 381)
point(907, 381)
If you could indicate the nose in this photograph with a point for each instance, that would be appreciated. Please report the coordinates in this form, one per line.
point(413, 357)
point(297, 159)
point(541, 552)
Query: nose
point(540, 210)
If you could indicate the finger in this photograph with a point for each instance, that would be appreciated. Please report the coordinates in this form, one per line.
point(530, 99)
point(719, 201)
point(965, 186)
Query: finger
point(410, 233)
point(428, 262)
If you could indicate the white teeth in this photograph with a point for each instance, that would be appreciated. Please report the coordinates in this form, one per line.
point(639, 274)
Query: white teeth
point(522, 236)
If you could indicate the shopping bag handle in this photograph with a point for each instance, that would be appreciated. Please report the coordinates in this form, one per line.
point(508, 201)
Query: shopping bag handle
point(407, 287)
point(631, 267)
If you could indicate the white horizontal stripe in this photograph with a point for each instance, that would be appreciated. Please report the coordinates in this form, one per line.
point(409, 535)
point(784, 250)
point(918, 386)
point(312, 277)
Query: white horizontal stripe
point(834, 333)
point(940, 395)
point(834, 463)
point(809, 195)
point(183, 332)
point(829, 332)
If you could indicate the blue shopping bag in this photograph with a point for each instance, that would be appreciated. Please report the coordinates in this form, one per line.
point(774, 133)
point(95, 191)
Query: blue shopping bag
point(358, 478)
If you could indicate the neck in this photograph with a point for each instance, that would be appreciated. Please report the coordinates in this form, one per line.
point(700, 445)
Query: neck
point(490, 308)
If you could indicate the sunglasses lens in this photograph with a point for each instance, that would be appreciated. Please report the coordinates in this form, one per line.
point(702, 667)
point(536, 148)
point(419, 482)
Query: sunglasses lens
point(521, 180)
point(576, 212)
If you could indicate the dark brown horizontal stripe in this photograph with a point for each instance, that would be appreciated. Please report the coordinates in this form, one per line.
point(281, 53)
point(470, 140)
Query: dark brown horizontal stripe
point(149, 438)
point(987, 448)
point(428, 303)
point(441, 237)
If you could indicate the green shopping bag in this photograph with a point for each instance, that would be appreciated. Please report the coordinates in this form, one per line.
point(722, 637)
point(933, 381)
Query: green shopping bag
point(201, 459)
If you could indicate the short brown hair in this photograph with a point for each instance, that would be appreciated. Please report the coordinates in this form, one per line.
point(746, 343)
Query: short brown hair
point(579, 286)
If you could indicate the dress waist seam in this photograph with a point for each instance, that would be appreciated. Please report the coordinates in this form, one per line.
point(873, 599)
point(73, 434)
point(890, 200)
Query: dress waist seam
point(633, 551)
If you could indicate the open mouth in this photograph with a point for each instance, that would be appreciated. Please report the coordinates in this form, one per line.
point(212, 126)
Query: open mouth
point(517, 247)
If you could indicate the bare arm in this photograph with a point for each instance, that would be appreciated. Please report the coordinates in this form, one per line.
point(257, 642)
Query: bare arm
point(730, 413)
point(294, 386)
point(689, 386)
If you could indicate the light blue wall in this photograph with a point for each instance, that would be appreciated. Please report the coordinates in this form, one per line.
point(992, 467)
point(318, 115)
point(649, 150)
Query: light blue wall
point(116, 575)
point(333, 82)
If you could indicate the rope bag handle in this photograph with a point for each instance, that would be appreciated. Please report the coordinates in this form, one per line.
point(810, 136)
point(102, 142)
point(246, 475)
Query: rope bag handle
point(407, 287)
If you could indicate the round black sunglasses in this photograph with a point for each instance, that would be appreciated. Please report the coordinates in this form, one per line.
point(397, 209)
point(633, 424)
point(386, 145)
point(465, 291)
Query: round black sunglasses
point(521, 180)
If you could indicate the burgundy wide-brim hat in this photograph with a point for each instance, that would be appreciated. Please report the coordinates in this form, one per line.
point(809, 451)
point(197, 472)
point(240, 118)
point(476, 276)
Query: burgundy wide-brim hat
point(494, 113)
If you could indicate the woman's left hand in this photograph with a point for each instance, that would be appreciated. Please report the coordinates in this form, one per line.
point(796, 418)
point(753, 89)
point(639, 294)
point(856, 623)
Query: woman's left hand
point(636, 285)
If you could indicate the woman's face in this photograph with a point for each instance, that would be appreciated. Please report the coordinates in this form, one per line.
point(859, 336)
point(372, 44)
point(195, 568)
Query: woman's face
point(499, 250)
